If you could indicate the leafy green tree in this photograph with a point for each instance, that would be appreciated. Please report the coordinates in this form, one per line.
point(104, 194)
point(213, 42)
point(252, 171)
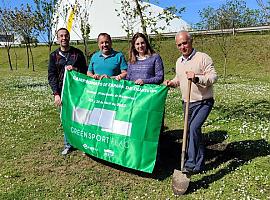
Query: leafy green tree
point(230, 15)
point(47, 20)
point(265, 6)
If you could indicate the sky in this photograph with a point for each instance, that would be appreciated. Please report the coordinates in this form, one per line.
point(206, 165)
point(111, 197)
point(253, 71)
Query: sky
point(192, 7)
point(191, 14)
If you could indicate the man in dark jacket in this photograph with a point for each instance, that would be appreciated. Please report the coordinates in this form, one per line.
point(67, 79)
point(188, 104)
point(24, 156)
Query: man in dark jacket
point(65, 57)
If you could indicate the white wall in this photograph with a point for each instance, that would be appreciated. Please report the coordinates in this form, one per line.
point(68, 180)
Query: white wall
point(103, 18)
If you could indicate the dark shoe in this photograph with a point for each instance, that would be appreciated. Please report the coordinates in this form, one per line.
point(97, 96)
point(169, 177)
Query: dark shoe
point(195, 171)
point(187, 170)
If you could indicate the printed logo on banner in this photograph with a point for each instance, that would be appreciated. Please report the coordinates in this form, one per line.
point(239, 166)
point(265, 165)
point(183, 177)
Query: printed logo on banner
point(103, 118)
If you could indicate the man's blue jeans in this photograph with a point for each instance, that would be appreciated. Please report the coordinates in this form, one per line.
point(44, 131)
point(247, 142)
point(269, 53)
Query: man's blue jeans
point(198, 113)
point(66, 144)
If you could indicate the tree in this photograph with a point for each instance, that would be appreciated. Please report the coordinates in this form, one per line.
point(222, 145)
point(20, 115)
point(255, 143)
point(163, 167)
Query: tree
point(82, 12)
point(265, 6)
point(47, 20)
point(233, 14)
point(7, 30)
point(128, 18)
point(139, 11)
point(23, 20)
point(133, 10)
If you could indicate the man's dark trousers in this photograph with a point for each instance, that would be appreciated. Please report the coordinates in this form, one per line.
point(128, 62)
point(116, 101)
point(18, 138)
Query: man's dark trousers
point(198, 113)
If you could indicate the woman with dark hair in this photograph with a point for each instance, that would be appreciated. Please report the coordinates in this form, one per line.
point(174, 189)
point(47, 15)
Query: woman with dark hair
point(144, 65)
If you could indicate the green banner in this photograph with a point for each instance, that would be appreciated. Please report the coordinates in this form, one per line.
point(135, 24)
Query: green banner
point(116, 121)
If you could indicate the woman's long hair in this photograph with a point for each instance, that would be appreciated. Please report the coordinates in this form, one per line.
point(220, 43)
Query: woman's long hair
point(133, 52)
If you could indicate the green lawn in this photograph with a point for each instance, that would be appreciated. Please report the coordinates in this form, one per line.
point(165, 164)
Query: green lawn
point(237, 134)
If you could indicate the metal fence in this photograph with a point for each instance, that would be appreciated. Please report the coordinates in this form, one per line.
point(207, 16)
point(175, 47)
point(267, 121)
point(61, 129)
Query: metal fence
point(222, 31)
point(193, 32)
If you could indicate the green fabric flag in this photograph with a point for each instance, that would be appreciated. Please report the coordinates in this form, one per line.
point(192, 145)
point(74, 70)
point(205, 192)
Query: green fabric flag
point(116, 121)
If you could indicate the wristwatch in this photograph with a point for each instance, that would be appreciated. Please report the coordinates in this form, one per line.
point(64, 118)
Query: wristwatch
point(196, 80)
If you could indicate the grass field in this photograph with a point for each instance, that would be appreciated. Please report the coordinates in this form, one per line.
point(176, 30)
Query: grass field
point(237, 134)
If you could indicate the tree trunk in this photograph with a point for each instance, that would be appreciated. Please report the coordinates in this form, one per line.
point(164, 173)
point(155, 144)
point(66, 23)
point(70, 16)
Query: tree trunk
point(32, 58)
point(86, 51)
point(28, 59)
point(50, 47)
point(9, 58)
point(138, 7)
point(16, 59)
point(225, 67)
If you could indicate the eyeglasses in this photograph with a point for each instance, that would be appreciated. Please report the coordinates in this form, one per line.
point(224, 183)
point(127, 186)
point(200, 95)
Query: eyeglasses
point(183, 43)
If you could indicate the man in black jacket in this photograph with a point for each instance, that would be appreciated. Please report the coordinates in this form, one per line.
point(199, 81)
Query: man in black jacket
point(65, 57)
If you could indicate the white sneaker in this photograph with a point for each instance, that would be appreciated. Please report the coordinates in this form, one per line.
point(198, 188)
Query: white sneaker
point(65, 151)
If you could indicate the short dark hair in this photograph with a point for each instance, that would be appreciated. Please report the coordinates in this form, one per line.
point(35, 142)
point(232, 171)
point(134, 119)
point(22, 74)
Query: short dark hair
point(60, 29)
point(105, 35)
